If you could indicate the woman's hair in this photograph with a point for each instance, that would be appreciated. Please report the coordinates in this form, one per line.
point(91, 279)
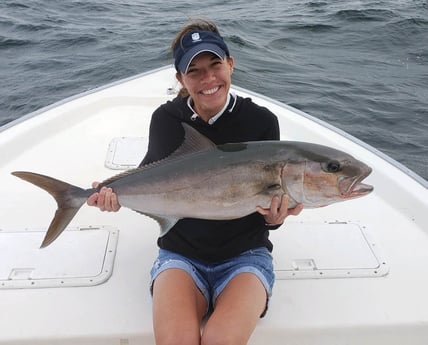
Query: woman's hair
point(191, 25)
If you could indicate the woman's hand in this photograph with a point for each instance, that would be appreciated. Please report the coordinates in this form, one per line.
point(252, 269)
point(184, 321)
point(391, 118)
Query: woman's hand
point(105, 199)
point(278, 211)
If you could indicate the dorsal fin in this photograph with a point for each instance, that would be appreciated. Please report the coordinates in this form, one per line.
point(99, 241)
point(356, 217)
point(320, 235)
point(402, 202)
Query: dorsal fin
point(193, 142)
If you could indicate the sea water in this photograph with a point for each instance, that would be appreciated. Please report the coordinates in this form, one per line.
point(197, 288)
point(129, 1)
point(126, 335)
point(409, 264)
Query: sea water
point(359, 65)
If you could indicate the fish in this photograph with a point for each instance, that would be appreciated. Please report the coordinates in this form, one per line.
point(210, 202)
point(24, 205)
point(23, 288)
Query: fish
point(207, 181)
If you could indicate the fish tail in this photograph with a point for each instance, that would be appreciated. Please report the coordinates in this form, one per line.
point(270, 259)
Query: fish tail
point(68, 197)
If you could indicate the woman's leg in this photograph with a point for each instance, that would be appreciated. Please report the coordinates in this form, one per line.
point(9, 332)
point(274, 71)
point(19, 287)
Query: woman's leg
point(178, 308)
point(236, 312)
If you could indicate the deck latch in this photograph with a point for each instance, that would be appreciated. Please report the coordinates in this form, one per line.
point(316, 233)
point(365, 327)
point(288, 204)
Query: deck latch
point(21, 273)
point(304, 265)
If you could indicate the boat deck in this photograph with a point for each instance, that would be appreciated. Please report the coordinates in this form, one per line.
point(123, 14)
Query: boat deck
point(350, 273)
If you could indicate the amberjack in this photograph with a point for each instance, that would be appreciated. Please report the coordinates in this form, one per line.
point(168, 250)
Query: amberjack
point(208, 181)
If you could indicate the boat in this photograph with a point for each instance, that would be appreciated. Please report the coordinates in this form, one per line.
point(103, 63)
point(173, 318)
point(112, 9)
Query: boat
point(350, 273)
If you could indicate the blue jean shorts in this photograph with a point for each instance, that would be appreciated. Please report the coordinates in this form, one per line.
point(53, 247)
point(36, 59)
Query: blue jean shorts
point(211, 279)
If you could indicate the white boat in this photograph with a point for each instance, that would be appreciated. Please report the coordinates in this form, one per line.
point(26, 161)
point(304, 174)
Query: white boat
point(351, 273)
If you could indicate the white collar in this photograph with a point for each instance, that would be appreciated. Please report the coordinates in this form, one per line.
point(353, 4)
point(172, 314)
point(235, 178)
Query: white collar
point(216, 116)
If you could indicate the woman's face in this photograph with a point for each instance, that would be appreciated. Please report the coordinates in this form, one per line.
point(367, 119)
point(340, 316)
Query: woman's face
point(208, 80)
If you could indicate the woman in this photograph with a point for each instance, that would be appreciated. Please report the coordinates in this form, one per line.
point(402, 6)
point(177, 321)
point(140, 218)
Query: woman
point(209, 270)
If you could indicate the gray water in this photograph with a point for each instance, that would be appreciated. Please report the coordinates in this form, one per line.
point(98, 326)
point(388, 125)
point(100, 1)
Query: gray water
point(359, 65)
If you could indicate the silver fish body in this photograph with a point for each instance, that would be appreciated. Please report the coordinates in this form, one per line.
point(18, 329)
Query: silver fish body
point(202, 180)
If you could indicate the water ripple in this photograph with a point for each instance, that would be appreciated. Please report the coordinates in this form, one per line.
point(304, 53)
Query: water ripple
point(362, 66)
point(371, 14)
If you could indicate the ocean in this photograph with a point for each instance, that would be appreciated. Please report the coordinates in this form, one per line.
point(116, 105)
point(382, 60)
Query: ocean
point(359, 65)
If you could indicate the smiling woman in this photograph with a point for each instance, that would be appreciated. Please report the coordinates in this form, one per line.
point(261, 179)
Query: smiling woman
point(238, 297)
point(207, 81)
point(204, 68)
point(331, 264)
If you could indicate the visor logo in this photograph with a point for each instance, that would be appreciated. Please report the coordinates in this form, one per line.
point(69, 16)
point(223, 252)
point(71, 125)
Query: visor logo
point(196, 37)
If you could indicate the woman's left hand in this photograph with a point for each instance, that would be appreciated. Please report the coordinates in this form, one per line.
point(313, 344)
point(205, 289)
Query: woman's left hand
point(278, 211)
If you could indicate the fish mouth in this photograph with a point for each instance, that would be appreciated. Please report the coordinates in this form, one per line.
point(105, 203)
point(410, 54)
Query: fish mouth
point(352, 187)
point(360, 189)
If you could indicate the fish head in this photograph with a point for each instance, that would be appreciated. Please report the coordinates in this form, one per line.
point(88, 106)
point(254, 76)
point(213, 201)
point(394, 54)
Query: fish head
point(323, 176)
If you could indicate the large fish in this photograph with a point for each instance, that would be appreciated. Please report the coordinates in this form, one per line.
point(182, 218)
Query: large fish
point(203, 180)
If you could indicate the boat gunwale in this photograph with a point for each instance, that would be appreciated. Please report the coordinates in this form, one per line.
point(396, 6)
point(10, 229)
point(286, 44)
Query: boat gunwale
point(407, 171)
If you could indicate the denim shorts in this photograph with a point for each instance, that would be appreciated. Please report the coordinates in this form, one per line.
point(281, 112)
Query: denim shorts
point(211, 279)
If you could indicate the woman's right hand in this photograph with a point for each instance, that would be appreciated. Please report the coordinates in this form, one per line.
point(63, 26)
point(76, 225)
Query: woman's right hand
point(105, 199)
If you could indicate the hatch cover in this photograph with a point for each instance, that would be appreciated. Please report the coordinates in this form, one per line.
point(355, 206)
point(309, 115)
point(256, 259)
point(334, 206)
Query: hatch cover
point(125, 152)
point(79, 257)
point(326, 250)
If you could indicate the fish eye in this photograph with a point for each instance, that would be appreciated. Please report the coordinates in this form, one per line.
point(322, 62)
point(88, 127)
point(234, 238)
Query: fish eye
point(332, 166)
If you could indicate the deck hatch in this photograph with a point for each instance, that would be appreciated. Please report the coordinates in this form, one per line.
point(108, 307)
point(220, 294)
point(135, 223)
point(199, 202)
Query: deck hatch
point(326, 250)
point(125, 152)
point(79, 257)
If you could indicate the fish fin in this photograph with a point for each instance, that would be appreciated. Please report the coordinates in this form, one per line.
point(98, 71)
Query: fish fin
point(193, 142)
point(68, 197)
point(62, 218)
point(165, 223)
